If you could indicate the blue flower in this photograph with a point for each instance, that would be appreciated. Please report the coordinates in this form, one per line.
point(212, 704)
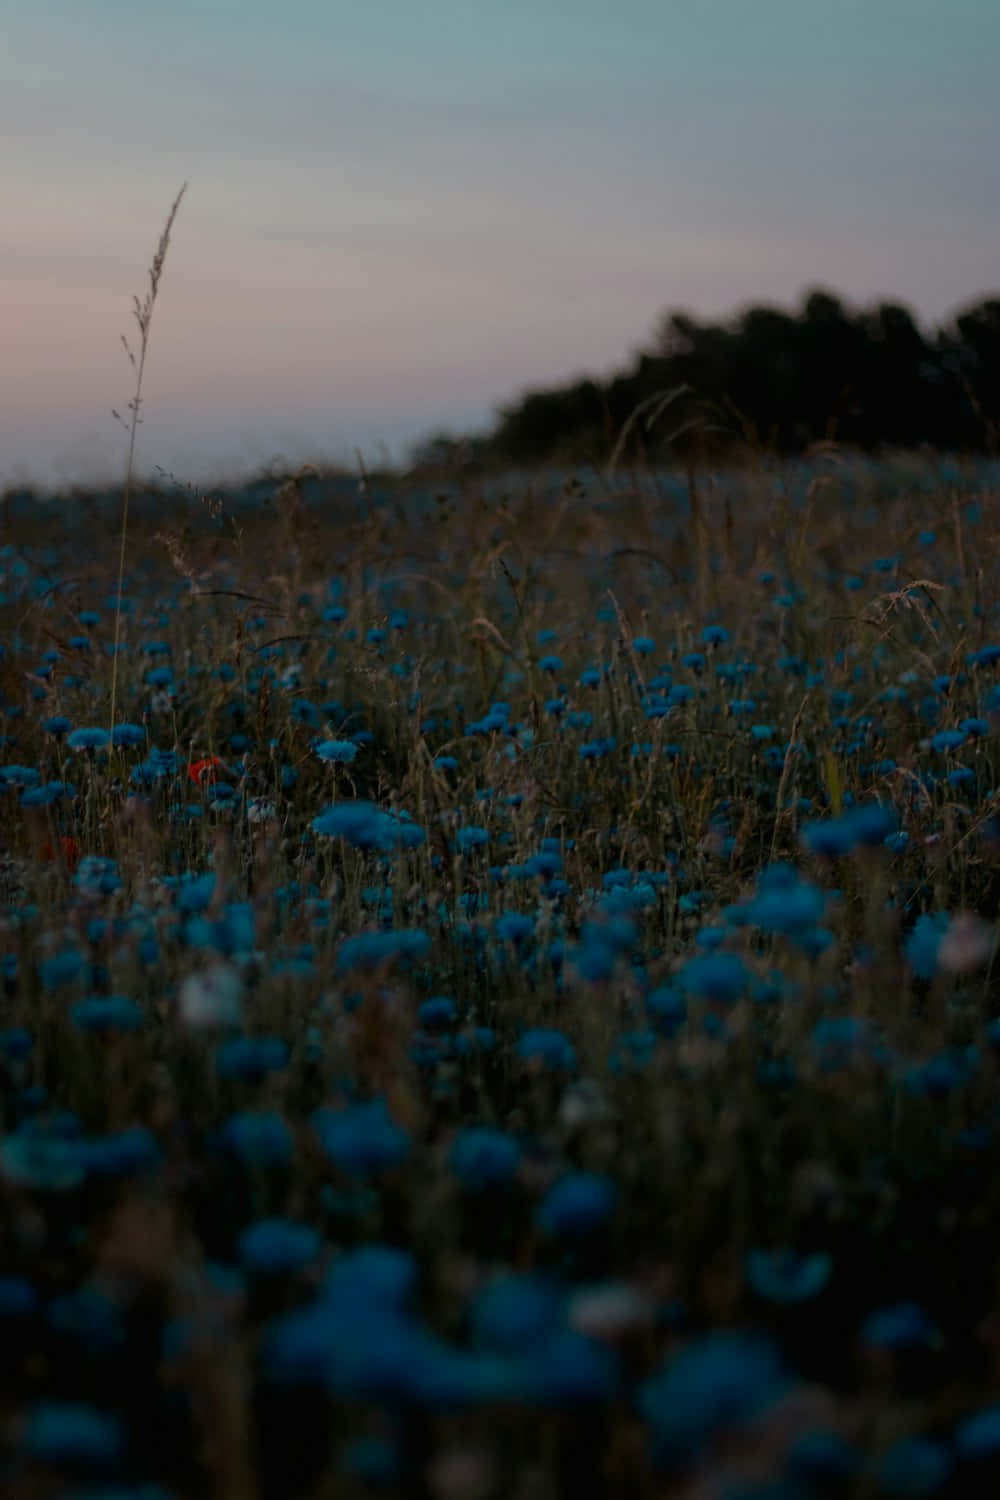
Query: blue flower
point(260, 1139)
point(870, 823)
point(61, 968)
point(42, 1163)
point(913, 1466)
point(369, 950)
point(514, 1313)
point(838, 1039)
point(596, 956)
point(482, 1157)
point(495, 722)
point(721, 977)
point(947, 739)
point(20, 776)
point(274, 1247)
point(65, 1435)
point(565, 1367)
point(358, 1349)
point(106, 1013)
point(902, 1326)
point(470, 838)
point(251, 1057)
point(337, 752)
point(366, 826)
point(814, 941)
point(480, 1039)
point(363, 1138)
point(514, 927)
point(632, 1052)
point(550, 1047)
point(576, 1203)
point(381, 1276)
point(667, 1009)
point(195, 892)
point(977, 1436)
point(440, 1011)
point(127, 735)
point(718, 1381)
point(785, 1276)
point(88, 739)
point(821, 1461)
point(596, 749)
point(132, 1150)
point(787, 909)
point(16, 1043)
point(18, 1298)
point(923, 943)
point(44, 796)
point(97, 875)
point(936, 1077)
point(90, 1316)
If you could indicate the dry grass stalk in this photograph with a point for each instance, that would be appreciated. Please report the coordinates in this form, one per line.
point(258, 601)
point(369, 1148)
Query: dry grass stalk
point(143, 313)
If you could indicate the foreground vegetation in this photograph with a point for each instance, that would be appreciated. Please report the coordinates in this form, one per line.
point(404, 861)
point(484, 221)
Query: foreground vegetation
point(512, 1008)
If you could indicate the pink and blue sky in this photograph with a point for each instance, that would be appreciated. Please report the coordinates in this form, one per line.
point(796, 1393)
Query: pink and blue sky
point(399, 216)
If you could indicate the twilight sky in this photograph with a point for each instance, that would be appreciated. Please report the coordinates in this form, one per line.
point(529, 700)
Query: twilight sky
point(399, 216)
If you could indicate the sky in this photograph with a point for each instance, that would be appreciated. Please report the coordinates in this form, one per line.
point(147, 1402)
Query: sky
point(400, 217)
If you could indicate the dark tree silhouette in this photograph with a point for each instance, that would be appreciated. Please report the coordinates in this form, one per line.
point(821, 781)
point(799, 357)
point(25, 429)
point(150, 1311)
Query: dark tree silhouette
point(773, 380)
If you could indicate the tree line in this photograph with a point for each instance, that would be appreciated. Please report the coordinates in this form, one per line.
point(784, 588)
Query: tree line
point(765, 380)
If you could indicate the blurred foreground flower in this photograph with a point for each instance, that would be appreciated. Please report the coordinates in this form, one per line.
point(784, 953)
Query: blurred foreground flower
point(967, 944)
point(719, 1381)
point(71, 1437)
point(212, 998)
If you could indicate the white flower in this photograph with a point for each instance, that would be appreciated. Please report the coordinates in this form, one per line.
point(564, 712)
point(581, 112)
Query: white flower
point(609, 1310)
point(261, 810)
point(967, 944)
point(212, 998)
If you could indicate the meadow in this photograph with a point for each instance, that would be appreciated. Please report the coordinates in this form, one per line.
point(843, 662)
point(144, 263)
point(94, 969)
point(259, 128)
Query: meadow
point(511, 1009)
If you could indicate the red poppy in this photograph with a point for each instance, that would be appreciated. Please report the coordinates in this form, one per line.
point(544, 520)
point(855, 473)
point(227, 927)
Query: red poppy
point(204, 770)
point(69, 848)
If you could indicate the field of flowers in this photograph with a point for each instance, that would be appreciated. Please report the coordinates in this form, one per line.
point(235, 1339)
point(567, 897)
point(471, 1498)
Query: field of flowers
point(510, 1009)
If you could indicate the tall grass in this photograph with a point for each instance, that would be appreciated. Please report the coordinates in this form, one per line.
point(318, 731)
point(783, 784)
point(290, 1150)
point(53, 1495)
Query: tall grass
point(143, 314)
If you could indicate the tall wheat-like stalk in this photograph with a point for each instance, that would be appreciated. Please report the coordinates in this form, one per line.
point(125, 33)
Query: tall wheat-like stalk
point(143, 314)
